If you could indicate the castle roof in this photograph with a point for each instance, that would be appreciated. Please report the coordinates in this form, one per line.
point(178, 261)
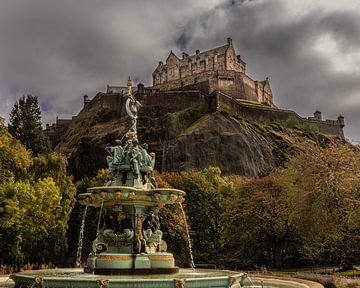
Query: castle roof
point(193, 58)
point(217, 50)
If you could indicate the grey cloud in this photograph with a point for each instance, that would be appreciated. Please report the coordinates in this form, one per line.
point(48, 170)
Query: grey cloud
point(60, 50)
point(280, 47)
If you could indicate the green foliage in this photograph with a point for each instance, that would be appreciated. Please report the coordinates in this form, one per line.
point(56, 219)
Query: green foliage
point(15, 160)
point(292, 122)
point(104, 115)
point(207, 194)
point(295, 123)
point(307, 213)
point(25, 125)
point(186, 117)
point(36, 198)
point(263, 216)
point(329, 181)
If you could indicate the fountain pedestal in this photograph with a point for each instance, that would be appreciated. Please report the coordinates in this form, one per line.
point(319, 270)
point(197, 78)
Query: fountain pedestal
point(130, 240)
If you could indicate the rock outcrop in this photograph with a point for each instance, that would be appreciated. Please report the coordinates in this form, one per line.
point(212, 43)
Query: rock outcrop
point(191, 138)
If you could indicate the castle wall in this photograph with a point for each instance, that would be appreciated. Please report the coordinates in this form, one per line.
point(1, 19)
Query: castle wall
point(328, 127)
point(173, 101)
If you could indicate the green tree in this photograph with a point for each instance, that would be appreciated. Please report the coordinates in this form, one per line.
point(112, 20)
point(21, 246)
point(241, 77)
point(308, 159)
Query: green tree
point(261, 224)
point(25, 125)
point(207, 194)
point(329, 181)
point(36, 198)
point(15, 159)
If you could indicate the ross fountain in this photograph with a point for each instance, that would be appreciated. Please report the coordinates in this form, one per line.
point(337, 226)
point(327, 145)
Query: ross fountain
point(129, 239)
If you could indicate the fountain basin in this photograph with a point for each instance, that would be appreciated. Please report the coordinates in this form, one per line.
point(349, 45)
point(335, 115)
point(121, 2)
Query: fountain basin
point(185, 278)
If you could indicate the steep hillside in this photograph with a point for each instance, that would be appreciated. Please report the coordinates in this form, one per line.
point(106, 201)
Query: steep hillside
point(192, 138)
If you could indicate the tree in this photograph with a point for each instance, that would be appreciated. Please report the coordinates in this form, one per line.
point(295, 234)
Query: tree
point(36, 198)
point(25, 125)
point(261, 223)
point(207, 194)
point(328, 180)
point(15, 159)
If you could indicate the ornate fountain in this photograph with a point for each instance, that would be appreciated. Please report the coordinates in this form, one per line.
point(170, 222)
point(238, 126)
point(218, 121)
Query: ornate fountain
point(129, 240)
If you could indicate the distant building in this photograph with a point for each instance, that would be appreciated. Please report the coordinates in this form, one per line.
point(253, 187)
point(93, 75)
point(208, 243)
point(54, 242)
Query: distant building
point(216, 69)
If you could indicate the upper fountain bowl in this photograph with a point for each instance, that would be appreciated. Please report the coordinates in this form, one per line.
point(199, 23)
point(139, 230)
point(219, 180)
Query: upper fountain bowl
point(109, 196)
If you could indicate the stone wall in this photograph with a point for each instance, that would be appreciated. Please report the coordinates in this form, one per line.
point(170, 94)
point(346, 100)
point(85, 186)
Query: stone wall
point(174, 101)
point(263, 113)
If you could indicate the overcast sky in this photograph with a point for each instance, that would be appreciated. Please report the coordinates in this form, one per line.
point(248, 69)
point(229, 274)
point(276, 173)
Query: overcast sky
point(61, 50)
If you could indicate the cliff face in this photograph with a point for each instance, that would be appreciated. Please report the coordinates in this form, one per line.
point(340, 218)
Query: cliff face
point(217, 140)
point(191, 138)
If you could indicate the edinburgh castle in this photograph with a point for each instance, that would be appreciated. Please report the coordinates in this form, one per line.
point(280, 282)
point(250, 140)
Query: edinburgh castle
point(184, 90)
point(220, 68)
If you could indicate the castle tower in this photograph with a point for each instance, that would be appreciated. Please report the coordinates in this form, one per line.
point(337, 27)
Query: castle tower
point(341, 121)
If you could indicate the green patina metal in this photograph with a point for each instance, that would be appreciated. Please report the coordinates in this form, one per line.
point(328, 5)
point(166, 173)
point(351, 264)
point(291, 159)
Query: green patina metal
point(129, 240)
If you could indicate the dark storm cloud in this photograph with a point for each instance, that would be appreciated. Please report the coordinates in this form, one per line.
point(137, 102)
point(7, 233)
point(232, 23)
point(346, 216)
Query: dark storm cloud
point(61, 50)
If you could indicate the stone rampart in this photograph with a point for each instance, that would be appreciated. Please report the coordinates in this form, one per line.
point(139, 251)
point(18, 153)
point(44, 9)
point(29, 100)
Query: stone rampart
point(258, 112)
point(174, 101)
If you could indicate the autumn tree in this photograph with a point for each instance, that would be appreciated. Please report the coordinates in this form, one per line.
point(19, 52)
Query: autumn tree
point(261, 222)
point(328, 181)
point(25, 125)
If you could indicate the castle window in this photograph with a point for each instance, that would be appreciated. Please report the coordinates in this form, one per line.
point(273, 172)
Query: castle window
point(189, 65)
point(206, 61)
point(215, 58)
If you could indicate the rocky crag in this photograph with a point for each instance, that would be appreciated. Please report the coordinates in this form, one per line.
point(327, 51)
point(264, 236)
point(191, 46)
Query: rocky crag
point(187, 130)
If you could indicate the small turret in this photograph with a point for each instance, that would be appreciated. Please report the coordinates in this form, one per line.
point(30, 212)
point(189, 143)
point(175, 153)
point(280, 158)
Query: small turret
point(141, 89)
point(129, 85)
point(317, 115)
point(341, 121)
point(86, 100)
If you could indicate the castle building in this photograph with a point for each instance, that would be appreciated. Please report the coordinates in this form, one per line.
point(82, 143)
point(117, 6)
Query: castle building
point(215, 78)
point(217, 69)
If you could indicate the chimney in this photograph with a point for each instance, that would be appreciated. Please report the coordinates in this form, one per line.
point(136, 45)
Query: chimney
point(229, 41)
point(197, 52)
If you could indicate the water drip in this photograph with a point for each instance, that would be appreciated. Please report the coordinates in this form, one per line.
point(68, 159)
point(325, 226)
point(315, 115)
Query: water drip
point(98, 225)
point(188, 237)
point(81, 237)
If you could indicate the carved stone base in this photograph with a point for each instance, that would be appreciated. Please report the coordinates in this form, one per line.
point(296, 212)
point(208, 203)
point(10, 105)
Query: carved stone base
point(128, 264)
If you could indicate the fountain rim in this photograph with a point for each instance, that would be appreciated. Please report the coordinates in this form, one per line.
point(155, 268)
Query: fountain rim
point(228, 278)
point(133, 189)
